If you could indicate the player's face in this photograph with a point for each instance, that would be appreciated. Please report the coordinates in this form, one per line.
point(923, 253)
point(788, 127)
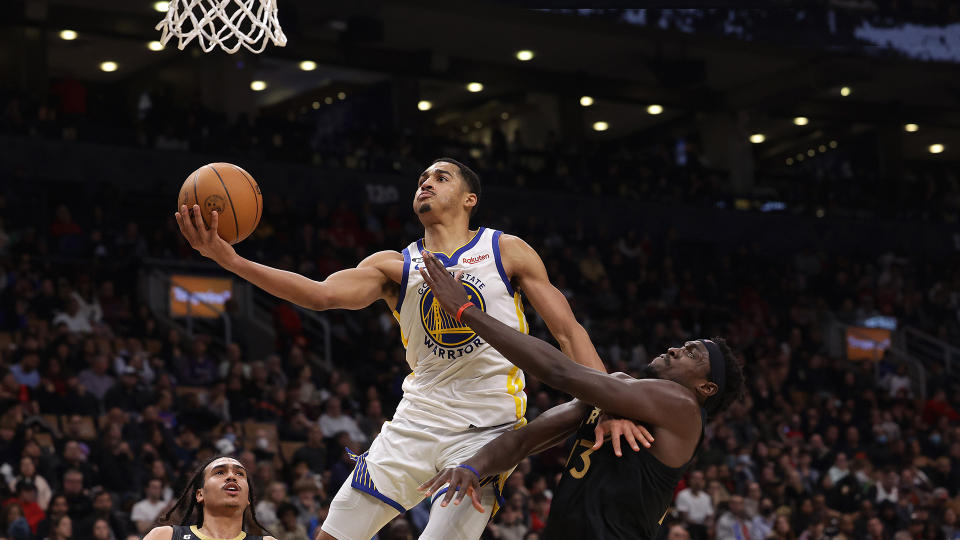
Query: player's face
point(225, 484)
point(440, 187)
point(682, 363)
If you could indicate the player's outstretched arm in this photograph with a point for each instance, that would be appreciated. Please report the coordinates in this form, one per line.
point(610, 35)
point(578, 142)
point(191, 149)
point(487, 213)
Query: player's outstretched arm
point(524, 264)
point(502, 453)
point(354, 288)
point(647, 400)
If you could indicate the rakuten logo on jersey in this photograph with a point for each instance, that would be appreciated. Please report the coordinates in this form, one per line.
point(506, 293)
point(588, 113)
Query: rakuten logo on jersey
point(475, 260)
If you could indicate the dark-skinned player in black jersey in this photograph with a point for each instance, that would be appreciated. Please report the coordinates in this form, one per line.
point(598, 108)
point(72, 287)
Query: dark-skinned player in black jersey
point(216, 504)
point(600, 496)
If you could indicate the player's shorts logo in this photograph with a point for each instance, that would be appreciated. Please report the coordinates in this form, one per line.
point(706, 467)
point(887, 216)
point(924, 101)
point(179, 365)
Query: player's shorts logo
point(441, 326)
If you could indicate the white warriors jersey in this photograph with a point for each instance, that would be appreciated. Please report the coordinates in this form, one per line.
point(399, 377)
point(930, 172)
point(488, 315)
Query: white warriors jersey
point(459, 381)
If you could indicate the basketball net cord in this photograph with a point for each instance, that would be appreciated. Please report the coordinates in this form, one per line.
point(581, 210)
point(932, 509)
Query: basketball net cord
point(251, 24)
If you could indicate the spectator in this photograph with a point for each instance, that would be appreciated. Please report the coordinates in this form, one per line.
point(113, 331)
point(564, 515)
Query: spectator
point(26, 499)
point(100, 530)
point(875, 529)
point(75, 320)
point(58, 508)
point(77, 501)
point(289, 528)
point(334, 421)
point(129, 395)
point(540, 509)
point(305, 502)
point(267, 507)
point(146, 511)
point(25, 371)
point(28, 472)
point(95, 378)
point(14, 524)
point(695, 506)
point(782, 529)
point(840, 468)
point(591, 268)
point(886, 489)
point(61, 528)
point(676, 531)
point(103, 512)
point(761, 526)
point(509, 524)
point(314, 453)
point(733, 524)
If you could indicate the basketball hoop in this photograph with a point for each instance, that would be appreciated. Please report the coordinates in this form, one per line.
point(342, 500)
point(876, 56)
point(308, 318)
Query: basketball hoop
point(228, 24)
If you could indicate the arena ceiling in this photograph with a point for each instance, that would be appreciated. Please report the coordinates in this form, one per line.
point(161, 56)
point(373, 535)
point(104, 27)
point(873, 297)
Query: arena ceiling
point(442, 45)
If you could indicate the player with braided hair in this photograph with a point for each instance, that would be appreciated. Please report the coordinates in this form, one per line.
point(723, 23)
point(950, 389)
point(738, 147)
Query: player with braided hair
point(216, 504)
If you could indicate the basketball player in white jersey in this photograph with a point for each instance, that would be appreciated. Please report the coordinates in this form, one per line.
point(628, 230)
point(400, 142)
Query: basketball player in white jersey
point(462, 392)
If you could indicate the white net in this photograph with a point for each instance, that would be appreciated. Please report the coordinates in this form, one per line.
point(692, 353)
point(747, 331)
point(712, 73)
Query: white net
point(229, 24)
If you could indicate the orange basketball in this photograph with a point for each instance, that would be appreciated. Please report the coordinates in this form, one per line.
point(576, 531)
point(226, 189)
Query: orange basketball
point(229, 190)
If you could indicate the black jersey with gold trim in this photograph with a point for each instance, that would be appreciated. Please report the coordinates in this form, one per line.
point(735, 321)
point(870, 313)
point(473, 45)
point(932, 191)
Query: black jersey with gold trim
point(605, 497)
point(183, 532)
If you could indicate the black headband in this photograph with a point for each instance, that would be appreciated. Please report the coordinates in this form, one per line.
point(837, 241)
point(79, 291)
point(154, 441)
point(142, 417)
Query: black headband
point(718, 368)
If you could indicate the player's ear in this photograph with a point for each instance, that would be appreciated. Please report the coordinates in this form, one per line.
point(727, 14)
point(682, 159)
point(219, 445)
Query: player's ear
point(199, 495)
point(707, 389)
point(470, 200)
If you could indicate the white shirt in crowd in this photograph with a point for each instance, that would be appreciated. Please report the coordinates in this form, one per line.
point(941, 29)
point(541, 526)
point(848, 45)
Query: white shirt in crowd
point(331, 426)
point(697, 507)
point(146, 510)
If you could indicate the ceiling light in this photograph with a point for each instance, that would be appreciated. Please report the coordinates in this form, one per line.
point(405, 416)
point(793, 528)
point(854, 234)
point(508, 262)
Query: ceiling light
point(758, 138)
point(108, 66)
point(504, 116)
point(328, 100)
point(801, 120)
point(475, 87)
point(424, 105)
point(315, 105)
point(341, 95)
point(822, 148)
point(811, 152)
point(601, 126)
point(586, 101)
point(162, 7)
point(801, 157)
point(833, 144)
point(524, 55)
point(911, 127)
point(258, 86)
point(68, 35)
point(935, 148)
point(654, 109)
point(308, 65)
point(464, 129)
point(478, 124)
point(845, 91)
point(789, 161)
point(155, 46)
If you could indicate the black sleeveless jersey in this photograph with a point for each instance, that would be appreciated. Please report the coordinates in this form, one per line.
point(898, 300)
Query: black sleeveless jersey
point(184, 532)
point(605, 497)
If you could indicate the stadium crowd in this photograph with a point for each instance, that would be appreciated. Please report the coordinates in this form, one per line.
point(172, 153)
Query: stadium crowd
point(348, 135)
point(102, 422)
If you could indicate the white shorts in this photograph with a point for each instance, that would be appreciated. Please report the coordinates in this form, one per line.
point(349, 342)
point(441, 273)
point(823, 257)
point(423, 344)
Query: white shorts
point(386, 479)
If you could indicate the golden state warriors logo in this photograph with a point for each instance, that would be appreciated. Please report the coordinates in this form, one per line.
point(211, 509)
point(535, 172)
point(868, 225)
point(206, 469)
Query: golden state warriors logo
point(441, 326)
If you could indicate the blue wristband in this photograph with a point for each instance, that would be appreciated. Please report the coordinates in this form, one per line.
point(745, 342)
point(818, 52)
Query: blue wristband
point(469, 468)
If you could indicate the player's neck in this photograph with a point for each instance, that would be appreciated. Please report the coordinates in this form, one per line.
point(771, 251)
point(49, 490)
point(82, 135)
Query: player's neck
point(224, 526)
point(446, 237)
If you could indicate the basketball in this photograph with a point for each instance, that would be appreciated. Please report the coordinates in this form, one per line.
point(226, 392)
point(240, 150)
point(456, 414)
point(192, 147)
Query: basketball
point(229, 190)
